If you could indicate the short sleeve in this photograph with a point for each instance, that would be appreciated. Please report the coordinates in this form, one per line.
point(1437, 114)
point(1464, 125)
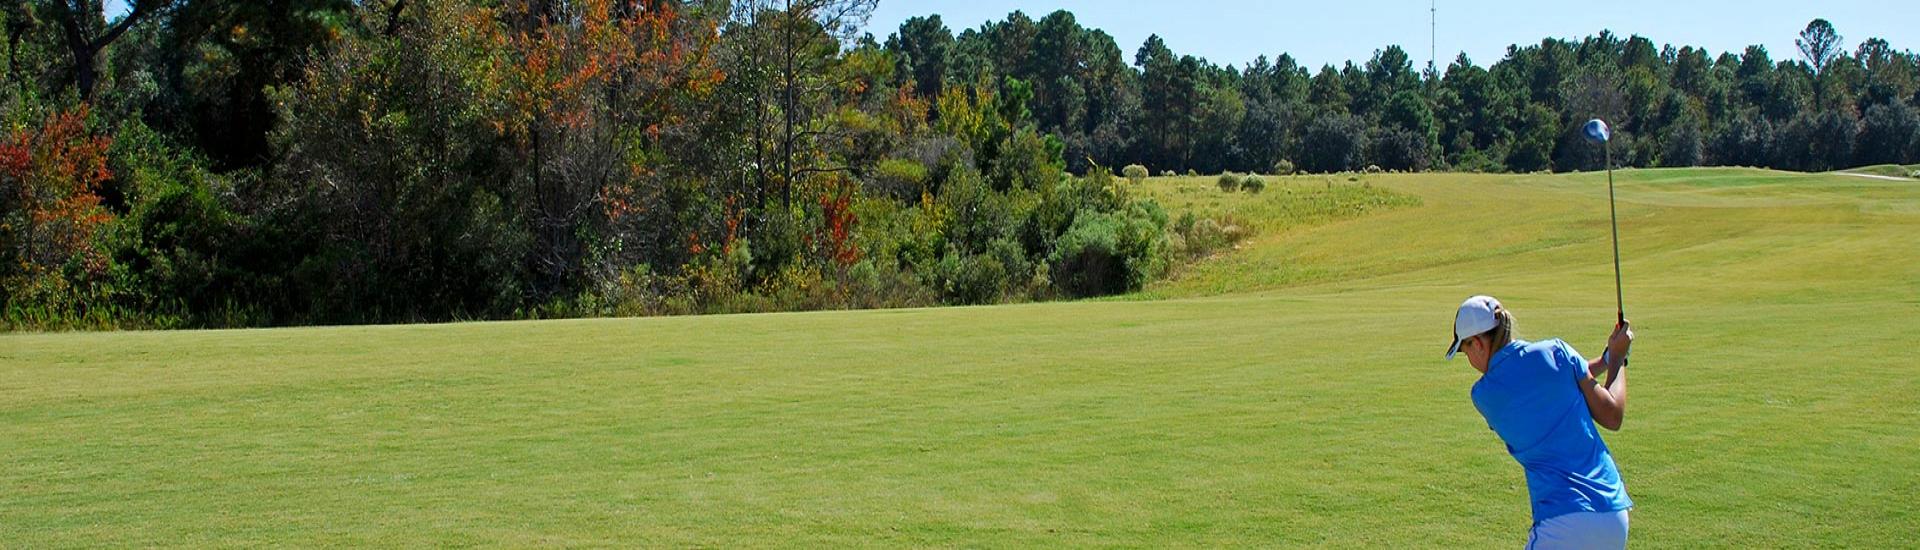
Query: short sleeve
point(1568, 355)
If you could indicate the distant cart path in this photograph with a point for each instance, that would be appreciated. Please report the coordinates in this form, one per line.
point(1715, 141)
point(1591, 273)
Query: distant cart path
point(1874, 176)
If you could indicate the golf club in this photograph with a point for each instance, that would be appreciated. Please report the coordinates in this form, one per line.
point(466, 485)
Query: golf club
point(1597, 131)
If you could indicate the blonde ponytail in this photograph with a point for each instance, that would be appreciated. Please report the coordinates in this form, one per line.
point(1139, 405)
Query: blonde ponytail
point(1502, 333)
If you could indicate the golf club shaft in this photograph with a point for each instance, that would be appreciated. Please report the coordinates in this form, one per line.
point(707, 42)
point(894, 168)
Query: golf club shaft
point(1613, 212)
point(1619, 298)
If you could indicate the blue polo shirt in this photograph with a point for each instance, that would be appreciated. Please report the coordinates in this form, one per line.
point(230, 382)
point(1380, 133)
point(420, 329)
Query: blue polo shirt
point(1530, 396)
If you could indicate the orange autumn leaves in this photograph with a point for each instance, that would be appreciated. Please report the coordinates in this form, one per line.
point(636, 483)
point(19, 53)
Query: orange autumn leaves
point(50, 178)
point(637, 67)
point(561, 63)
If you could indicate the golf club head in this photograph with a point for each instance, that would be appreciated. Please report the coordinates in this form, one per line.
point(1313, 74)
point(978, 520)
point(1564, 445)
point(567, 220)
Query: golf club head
point(1597, 131)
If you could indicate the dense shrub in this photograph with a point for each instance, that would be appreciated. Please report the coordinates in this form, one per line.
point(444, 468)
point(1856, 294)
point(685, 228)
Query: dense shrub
point(1284, 167)
point(1135, 173)
point(974, 213)
point(1193, 238)
point(970, 278)
point(1110, 253)
point(1206, 236)
point(1002, 272)
point(1253, 184)
point(1477, 161)
point(1184, 223)
point(1399, 150)
point(1028, 160)
point(195, 259)
point(900, 179)
point(1228, 182)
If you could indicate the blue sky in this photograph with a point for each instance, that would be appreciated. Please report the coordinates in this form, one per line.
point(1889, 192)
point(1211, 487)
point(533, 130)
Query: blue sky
point(1334, 31)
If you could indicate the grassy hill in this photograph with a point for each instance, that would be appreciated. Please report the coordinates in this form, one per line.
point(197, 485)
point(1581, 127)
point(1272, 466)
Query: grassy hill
point(1885, 170)
point(1288, 393)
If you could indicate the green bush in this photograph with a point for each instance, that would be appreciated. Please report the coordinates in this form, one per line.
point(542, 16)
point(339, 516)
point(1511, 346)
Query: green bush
point(1253, 184)
point(1098, 177)
point(870, 284)
point(1110, 253)
point(899, 178)
point(1028, 160)
point(1202, 237)
point(965, 278)
point(1135, 173)
point(1001, 272)
point(713, 283)
point(1284, 167)
point(975, 214)
point(1476, 161)
point(1228, 182)
point(1019, 267)
point(1205, 237)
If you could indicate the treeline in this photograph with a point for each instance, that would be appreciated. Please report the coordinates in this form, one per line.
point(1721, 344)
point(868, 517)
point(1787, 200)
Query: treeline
point(1830, 107)
point(228, 163)
point(232, 163)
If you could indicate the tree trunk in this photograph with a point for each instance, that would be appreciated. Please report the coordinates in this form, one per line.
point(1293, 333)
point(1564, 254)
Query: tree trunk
point(787, 86)
point(85, 71)
point(85, 49)
point(14, 30)
point(393, 16)
point(759, 59)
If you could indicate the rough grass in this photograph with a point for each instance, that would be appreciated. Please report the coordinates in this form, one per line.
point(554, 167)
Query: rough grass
point(1287, 202)
point(1296, 399)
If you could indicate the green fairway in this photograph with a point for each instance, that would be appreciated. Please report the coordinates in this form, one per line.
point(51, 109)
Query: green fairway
point(1288, 393)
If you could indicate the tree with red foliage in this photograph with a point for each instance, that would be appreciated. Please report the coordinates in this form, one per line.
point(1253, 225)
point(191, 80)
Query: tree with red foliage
point(50, 179)
point(597, 108)
point(837, 221)
point(486, 153)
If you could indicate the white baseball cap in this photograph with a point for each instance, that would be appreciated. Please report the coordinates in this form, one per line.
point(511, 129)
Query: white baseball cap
point(1475, 316)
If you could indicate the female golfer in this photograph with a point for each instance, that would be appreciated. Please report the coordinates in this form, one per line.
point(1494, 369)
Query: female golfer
point(1543, 400)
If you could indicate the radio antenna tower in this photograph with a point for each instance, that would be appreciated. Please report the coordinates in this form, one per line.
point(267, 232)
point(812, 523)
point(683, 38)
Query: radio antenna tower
point(1433, 37)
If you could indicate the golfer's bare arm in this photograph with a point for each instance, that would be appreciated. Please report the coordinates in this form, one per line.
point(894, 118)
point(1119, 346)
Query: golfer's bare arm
point(1607, 401)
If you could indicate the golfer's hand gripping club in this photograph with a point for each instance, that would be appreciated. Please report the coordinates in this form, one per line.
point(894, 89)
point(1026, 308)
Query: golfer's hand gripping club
point(1620, 343)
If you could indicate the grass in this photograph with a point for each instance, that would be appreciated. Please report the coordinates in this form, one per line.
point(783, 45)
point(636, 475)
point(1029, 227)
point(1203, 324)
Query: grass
point(1288, 201)
point(1287, 394)
point(1886, 170)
